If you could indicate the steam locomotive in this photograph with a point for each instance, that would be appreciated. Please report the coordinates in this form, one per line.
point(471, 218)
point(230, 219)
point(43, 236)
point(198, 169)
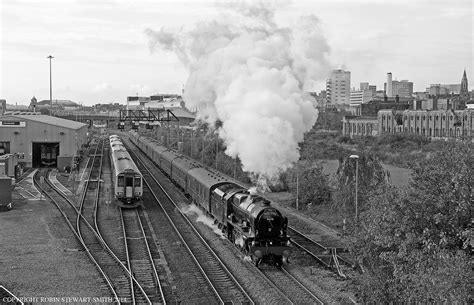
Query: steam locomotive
point(126, 177)
point(248, 220)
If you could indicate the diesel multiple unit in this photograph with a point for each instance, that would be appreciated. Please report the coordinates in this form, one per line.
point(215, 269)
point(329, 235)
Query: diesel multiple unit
point(126, 177)
point(248, 220)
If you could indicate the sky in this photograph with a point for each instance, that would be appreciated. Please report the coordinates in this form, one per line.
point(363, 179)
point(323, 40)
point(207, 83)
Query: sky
point(102, 53)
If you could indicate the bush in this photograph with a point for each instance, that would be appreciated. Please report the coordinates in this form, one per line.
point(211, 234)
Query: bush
point(344, 139)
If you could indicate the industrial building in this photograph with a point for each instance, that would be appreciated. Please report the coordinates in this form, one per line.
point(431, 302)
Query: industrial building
point(41, 140)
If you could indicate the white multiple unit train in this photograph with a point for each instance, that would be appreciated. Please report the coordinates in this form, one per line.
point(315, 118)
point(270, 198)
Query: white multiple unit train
point(126, 178)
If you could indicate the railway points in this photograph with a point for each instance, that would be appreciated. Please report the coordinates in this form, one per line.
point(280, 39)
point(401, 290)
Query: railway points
point(166, 270)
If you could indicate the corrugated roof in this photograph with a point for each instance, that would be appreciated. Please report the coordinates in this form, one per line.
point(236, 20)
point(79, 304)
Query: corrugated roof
point(50, 120)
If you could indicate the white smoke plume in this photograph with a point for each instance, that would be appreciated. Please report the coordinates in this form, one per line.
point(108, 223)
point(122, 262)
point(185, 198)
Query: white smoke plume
point(251, 74)
point(194, 210)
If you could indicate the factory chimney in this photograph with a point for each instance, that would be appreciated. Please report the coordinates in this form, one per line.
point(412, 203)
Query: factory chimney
point(389, 92)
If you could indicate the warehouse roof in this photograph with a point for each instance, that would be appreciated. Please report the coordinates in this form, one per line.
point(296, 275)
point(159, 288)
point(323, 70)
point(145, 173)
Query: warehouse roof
point(50, 120)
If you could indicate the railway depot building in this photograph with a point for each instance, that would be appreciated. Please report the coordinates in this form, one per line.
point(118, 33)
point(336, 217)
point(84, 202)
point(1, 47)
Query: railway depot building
point(41, 140)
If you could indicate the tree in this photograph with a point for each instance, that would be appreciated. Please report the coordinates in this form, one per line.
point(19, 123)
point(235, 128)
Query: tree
point(313, 185)
point(371, 176)
point(416, 244)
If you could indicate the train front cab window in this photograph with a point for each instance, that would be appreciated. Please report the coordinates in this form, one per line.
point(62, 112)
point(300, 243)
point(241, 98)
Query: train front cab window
point(121, 181)
point(129, 181)
point(137, 182)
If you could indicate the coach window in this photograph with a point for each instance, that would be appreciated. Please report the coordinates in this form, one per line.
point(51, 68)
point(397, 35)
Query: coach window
point(137, 182)
point(129, 181)
point(121, 181)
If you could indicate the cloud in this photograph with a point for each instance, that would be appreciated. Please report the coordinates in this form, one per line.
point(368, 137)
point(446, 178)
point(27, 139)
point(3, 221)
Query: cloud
point(102, 87)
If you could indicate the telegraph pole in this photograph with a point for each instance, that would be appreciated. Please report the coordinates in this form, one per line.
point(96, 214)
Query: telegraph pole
point(50, 86)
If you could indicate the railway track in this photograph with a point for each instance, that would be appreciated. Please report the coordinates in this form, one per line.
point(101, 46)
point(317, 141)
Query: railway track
point(294, 291)
point(69, 212)
point(223, 285)
point(139, 257)
point(116, 276)
point(7, 297)
point(127, 287)
point(326, 256)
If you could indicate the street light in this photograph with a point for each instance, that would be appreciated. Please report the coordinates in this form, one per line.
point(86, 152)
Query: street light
point(297, 186)
point(356, 157)
point(50, 86)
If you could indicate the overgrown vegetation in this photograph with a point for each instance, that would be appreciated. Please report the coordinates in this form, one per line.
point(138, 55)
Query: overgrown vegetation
point(416, 244)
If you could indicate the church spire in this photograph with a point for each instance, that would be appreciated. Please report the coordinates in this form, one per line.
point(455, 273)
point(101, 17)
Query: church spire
point(464, 87)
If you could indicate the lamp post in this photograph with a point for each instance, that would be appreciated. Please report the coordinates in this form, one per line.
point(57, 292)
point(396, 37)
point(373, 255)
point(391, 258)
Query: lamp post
point(50, 86)
point(217, 149)
point(356, 157)
point(297, 186)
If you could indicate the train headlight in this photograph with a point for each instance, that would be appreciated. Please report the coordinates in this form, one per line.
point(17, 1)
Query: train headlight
point(120, 193)
point(258, 253)
point(286, 253)
point(137, 193)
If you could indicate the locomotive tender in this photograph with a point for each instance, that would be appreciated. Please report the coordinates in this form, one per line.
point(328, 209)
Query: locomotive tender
point(249, 221)
point(126, 177)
